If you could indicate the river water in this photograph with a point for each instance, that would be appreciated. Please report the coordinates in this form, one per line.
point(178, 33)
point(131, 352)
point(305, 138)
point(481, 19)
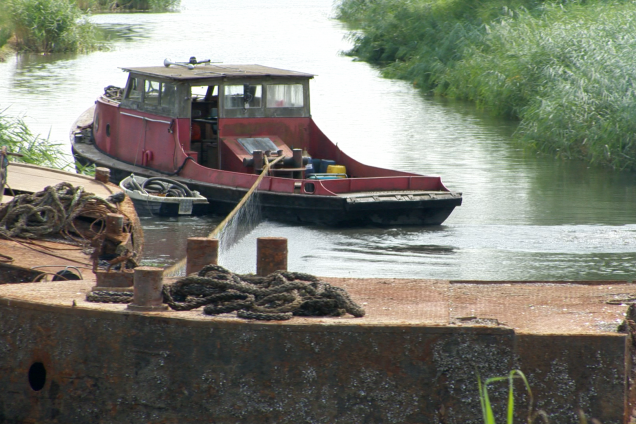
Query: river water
point(524, 217)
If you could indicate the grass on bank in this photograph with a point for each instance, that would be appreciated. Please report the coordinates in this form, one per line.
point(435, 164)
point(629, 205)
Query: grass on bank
point(15, 134)
point(565, 70)
point(46, 26)
point(54, 26)
point(129, 5)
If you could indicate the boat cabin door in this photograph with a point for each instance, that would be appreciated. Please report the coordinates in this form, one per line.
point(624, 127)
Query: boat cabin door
point(204, 138)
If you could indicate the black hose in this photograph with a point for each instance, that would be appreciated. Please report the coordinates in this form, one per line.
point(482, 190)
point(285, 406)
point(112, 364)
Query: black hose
point(133, 184)
point(183, 187)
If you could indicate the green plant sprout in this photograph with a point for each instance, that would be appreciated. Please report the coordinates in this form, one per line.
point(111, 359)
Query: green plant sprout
point(486, 407)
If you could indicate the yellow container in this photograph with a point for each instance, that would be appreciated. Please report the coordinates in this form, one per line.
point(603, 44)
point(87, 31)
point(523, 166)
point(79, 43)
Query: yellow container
point(337, 169)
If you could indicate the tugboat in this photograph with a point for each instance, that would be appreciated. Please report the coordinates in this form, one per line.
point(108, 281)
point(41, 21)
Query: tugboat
point(214, 127)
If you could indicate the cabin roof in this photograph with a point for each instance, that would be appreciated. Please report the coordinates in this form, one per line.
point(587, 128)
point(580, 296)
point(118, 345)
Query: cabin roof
point(221, 71)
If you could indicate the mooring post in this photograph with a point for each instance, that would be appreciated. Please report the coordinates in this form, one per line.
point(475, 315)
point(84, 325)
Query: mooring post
point(201, 251)
point(271, 255)
point(259, 161)
point(148, 290)
point(102, 174)
point(297, 156)
point(114, 224)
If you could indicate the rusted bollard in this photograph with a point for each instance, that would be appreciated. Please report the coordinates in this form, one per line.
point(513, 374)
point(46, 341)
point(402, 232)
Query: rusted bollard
point(102, 174)
point(201, 251)
point(259, 161)
point(271, 255)
point(114, 224)
point(298, 158)
point(148, 286)
point(120, 281)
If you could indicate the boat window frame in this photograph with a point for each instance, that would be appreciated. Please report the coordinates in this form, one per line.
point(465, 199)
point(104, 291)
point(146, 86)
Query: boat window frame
point(288, 112)
point(241, 112)
point(176, 110)
point(264, 111)
point(134, 87)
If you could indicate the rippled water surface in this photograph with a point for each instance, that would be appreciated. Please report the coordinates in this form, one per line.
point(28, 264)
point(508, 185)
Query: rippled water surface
point(523, 218)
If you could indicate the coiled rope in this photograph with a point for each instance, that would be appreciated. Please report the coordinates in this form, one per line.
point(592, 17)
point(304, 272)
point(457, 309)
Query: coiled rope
point(278, 296)
point(51, 211)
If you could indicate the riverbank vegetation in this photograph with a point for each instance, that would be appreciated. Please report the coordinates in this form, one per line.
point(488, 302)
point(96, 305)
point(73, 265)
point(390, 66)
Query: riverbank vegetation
point(565, 70)
point(15, 134)
point(46, 26)
point(5, 31)
point(129, 5)
point(54, 26)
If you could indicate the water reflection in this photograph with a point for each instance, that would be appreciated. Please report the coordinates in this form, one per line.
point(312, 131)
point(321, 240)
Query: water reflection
point(118, 32)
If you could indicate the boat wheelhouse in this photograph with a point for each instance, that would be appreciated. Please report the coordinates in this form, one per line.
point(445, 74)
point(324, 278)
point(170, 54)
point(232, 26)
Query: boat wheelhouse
point(214, 126)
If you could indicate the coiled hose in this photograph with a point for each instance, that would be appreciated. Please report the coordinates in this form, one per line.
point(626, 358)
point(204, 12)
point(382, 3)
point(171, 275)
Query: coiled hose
point(162, 185)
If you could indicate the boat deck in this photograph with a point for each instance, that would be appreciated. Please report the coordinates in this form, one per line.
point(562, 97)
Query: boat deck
point(32, 178)
point(563, 308)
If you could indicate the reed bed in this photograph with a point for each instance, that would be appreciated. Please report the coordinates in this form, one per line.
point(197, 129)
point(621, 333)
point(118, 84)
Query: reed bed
point(15, 134)
point(53, 26)
point(48, 26)
point(101, 6)
point(5, 30)
point(565, 70)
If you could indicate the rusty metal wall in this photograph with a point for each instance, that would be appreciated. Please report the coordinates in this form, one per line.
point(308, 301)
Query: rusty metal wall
point(105, 367)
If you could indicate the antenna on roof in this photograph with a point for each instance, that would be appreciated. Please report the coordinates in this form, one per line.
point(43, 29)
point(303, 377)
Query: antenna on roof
point(193, 61)
point(189, 64)
point(168, 62)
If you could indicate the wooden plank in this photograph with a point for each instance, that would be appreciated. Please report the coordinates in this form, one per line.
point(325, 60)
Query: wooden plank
point(33, 178)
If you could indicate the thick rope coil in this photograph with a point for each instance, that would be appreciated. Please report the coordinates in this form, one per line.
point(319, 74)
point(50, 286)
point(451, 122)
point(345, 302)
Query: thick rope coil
point(278, 296)
point(103, 296)
point(50, 212)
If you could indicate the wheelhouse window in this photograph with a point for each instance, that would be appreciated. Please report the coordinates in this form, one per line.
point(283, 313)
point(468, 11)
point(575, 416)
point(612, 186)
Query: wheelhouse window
point(160, 93)
point(168, 94)
point(285, 95)
point(204, 93)
point(134, 89)
point(205, 101)
point(151, 92)
point(244, 96)
point(152, 96)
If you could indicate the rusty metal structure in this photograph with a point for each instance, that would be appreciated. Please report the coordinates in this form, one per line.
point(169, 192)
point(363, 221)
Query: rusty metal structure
point(414, 357)
point(271, 255)
point(201, 251)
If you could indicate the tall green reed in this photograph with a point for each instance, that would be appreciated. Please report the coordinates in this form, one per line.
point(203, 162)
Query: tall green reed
point(50, 26)
point(15, 134)
point(565, 70)
point(129, 5)
point(5, 30)
point(567, 74)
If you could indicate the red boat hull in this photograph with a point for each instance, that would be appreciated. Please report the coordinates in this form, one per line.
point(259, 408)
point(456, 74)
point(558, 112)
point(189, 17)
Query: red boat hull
point(132, 141)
